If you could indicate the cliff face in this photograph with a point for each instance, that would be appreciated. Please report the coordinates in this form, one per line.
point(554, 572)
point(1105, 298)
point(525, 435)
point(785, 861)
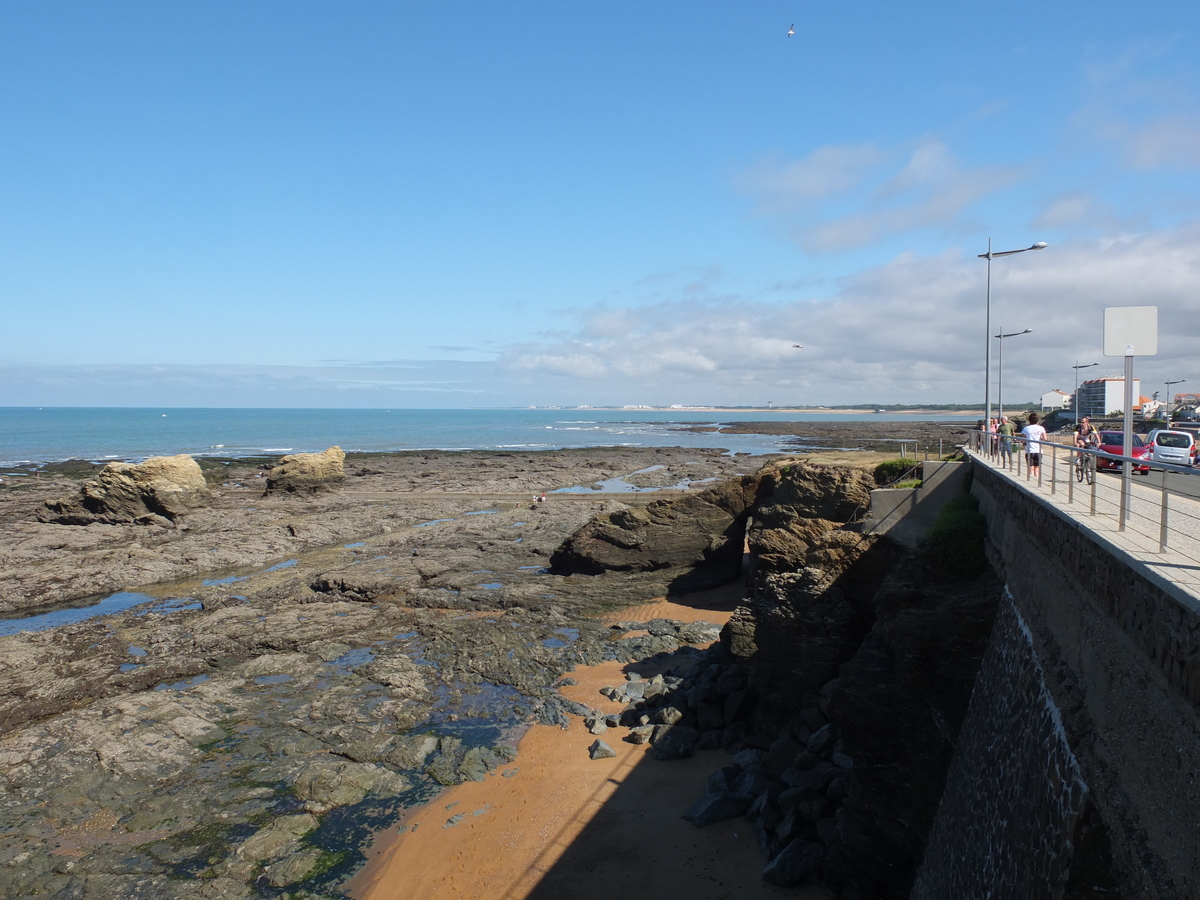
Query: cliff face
point(854, 661)
point(859, 631)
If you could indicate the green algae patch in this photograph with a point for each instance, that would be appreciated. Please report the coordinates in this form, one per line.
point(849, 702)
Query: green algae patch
point(955, 542)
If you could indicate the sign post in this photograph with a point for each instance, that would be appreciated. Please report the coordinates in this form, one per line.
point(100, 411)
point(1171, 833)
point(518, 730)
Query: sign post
point(1129, 331)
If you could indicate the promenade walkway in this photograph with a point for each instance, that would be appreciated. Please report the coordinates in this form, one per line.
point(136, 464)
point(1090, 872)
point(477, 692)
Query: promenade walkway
point(1177, 568)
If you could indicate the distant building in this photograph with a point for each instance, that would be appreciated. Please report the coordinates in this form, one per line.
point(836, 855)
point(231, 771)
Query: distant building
point(1055, 399)
point(1100, 396)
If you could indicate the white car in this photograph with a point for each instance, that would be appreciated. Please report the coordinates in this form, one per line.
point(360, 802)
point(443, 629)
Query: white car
point(1178, 448)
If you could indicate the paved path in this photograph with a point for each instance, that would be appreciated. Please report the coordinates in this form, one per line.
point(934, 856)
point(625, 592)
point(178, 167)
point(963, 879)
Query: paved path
point(1139, 543)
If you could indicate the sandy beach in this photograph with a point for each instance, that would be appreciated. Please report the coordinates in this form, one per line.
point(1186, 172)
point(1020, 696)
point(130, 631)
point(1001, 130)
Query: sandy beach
point(565, 825)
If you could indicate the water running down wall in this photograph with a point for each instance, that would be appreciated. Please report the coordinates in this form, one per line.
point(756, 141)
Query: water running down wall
point(1014, 792)
point(1118, 649)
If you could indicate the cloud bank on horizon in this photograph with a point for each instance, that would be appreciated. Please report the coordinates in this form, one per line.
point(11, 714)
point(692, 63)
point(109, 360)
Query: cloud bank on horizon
point(372, 208)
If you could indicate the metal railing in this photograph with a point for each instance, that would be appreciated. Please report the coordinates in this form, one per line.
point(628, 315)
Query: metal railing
point(1160, 508)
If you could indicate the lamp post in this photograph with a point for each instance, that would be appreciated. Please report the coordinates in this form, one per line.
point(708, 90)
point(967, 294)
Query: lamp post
point(1168, 398)
point(1000, 366)
point(1075, 396)
point(987, 356)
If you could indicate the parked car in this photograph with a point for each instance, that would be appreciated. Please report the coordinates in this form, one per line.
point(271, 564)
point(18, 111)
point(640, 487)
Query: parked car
point(1170, 446)
point(1186, 414)
point(1114, 442)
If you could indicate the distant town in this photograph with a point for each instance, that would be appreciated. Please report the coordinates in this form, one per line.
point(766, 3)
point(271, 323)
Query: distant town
point(1097, 398)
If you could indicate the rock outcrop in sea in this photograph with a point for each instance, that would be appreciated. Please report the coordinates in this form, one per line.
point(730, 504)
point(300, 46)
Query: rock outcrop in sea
point(308, 473)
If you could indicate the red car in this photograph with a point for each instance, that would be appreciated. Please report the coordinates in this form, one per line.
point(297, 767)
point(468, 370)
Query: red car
point(1114, 442)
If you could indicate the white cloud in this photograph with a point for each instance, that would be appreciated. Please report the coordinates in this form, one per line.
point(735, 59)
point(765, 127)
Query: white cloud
point(868, 195)
point(827, 171)
point(1074, 208)
point(1172, 141)
point(912, 329)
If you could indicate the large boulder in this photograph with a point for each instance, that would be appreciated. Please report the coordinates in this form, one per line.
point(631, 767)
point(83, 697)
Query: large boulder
point(803, 490)
point(308, 473)
point(161, 488)
point(705, 529)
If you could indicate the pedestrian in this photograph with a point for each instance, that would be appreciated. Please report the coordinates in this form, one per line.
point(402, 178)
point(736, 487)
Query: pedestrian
point(1006, 436)
point(1034, 434)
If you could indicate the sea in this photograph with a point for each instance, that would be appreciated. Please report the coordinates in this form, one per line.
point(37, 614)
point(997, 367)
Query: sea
point(32, 435)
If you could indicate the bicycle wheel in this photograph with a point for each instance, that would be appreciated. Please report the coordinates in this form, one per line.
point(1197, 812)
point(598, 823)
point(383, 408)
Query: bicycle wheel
point(1079, 467)
point(1089, 470)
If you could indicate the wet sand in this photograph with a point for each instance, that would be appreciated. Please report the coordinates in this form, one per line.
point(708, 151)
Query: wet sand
point(568, 826)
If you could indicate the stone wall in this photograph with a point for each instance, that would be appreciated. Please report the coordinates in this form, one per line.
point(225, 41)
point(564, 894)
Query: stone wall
point(1120, 652)
point(1014, 791)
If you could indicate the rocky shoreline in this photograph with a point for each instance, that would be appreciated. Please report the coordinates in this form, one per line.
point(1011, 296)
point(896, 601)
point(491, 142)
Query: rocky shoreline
point(319, 661)
point(316, 663)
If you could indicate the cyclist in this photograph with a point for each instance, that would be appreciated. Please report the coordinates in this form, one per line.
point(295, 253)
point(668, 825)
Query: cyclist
point(1086, 434)
point(1086, 437)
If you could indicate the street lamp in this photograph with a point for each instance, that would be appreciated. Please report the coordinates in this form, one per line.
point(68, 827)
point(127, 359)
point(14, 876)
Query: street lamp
point(1000, 389)
point(987, 356)
point(1168, 397)
point(1075, 396)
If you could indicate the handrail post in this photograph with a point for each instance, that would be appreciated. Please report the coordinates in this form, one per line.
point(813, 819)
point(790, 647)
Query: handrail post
point(1126, 478)
point(1071, 479)
point(1053, 469)
point(1095, 479)
point(1162, 519)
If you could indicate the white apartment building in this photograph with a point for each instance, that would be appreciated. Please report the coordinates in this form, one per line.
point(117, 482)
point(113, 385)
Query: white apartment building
point(1055, 399)
point(1101, 396)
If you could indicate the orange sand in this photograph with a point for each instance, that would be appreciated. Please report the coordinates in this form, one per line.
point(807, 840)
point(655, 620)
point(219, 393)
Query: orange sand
point(567, 826)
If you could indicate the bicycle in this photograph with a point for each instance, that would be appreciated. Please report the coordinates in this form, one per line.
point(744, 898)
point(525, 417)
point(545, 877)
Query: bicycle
point(1085, 468)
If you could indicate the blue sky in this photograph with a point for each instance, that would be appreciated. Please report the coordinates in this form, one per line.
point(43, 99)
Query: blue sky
point(370, 204)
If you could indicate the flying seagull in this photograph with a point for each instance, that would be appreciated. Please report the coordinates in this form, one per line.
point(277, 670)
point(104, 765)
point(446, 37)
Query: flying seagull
point(798, 346)
point(792, 29)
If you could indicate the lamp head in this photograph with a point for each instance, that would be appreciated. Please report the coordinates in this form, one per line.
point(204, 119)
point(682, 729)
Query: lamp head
point(1040, 245)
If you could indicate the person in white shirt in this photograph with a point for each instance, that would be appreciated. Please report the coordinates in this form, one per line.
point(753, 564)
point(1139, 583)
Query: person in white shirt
point(1034, 434)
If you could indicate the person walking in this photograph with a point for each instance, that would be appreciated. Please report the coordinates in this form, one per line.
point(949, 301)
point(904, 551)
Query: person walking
point(1034, 434)
point(1006, 436)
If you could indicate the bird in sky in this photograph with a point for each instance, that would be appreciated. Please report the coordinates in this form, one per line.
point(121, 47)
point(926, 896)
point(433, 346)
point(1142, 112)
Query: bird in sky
point(792, 29)
point(798, 346)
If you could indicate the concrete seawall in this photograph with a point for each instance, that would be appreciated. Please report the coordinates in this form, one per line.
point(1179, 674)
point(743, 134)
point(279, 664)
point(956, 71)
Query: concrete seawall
point(1119, 656)
point(906, 514)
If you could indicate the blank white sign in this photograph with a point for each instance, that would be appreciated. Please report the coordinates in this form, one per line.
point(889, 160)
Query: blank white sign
point(1131, 331)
